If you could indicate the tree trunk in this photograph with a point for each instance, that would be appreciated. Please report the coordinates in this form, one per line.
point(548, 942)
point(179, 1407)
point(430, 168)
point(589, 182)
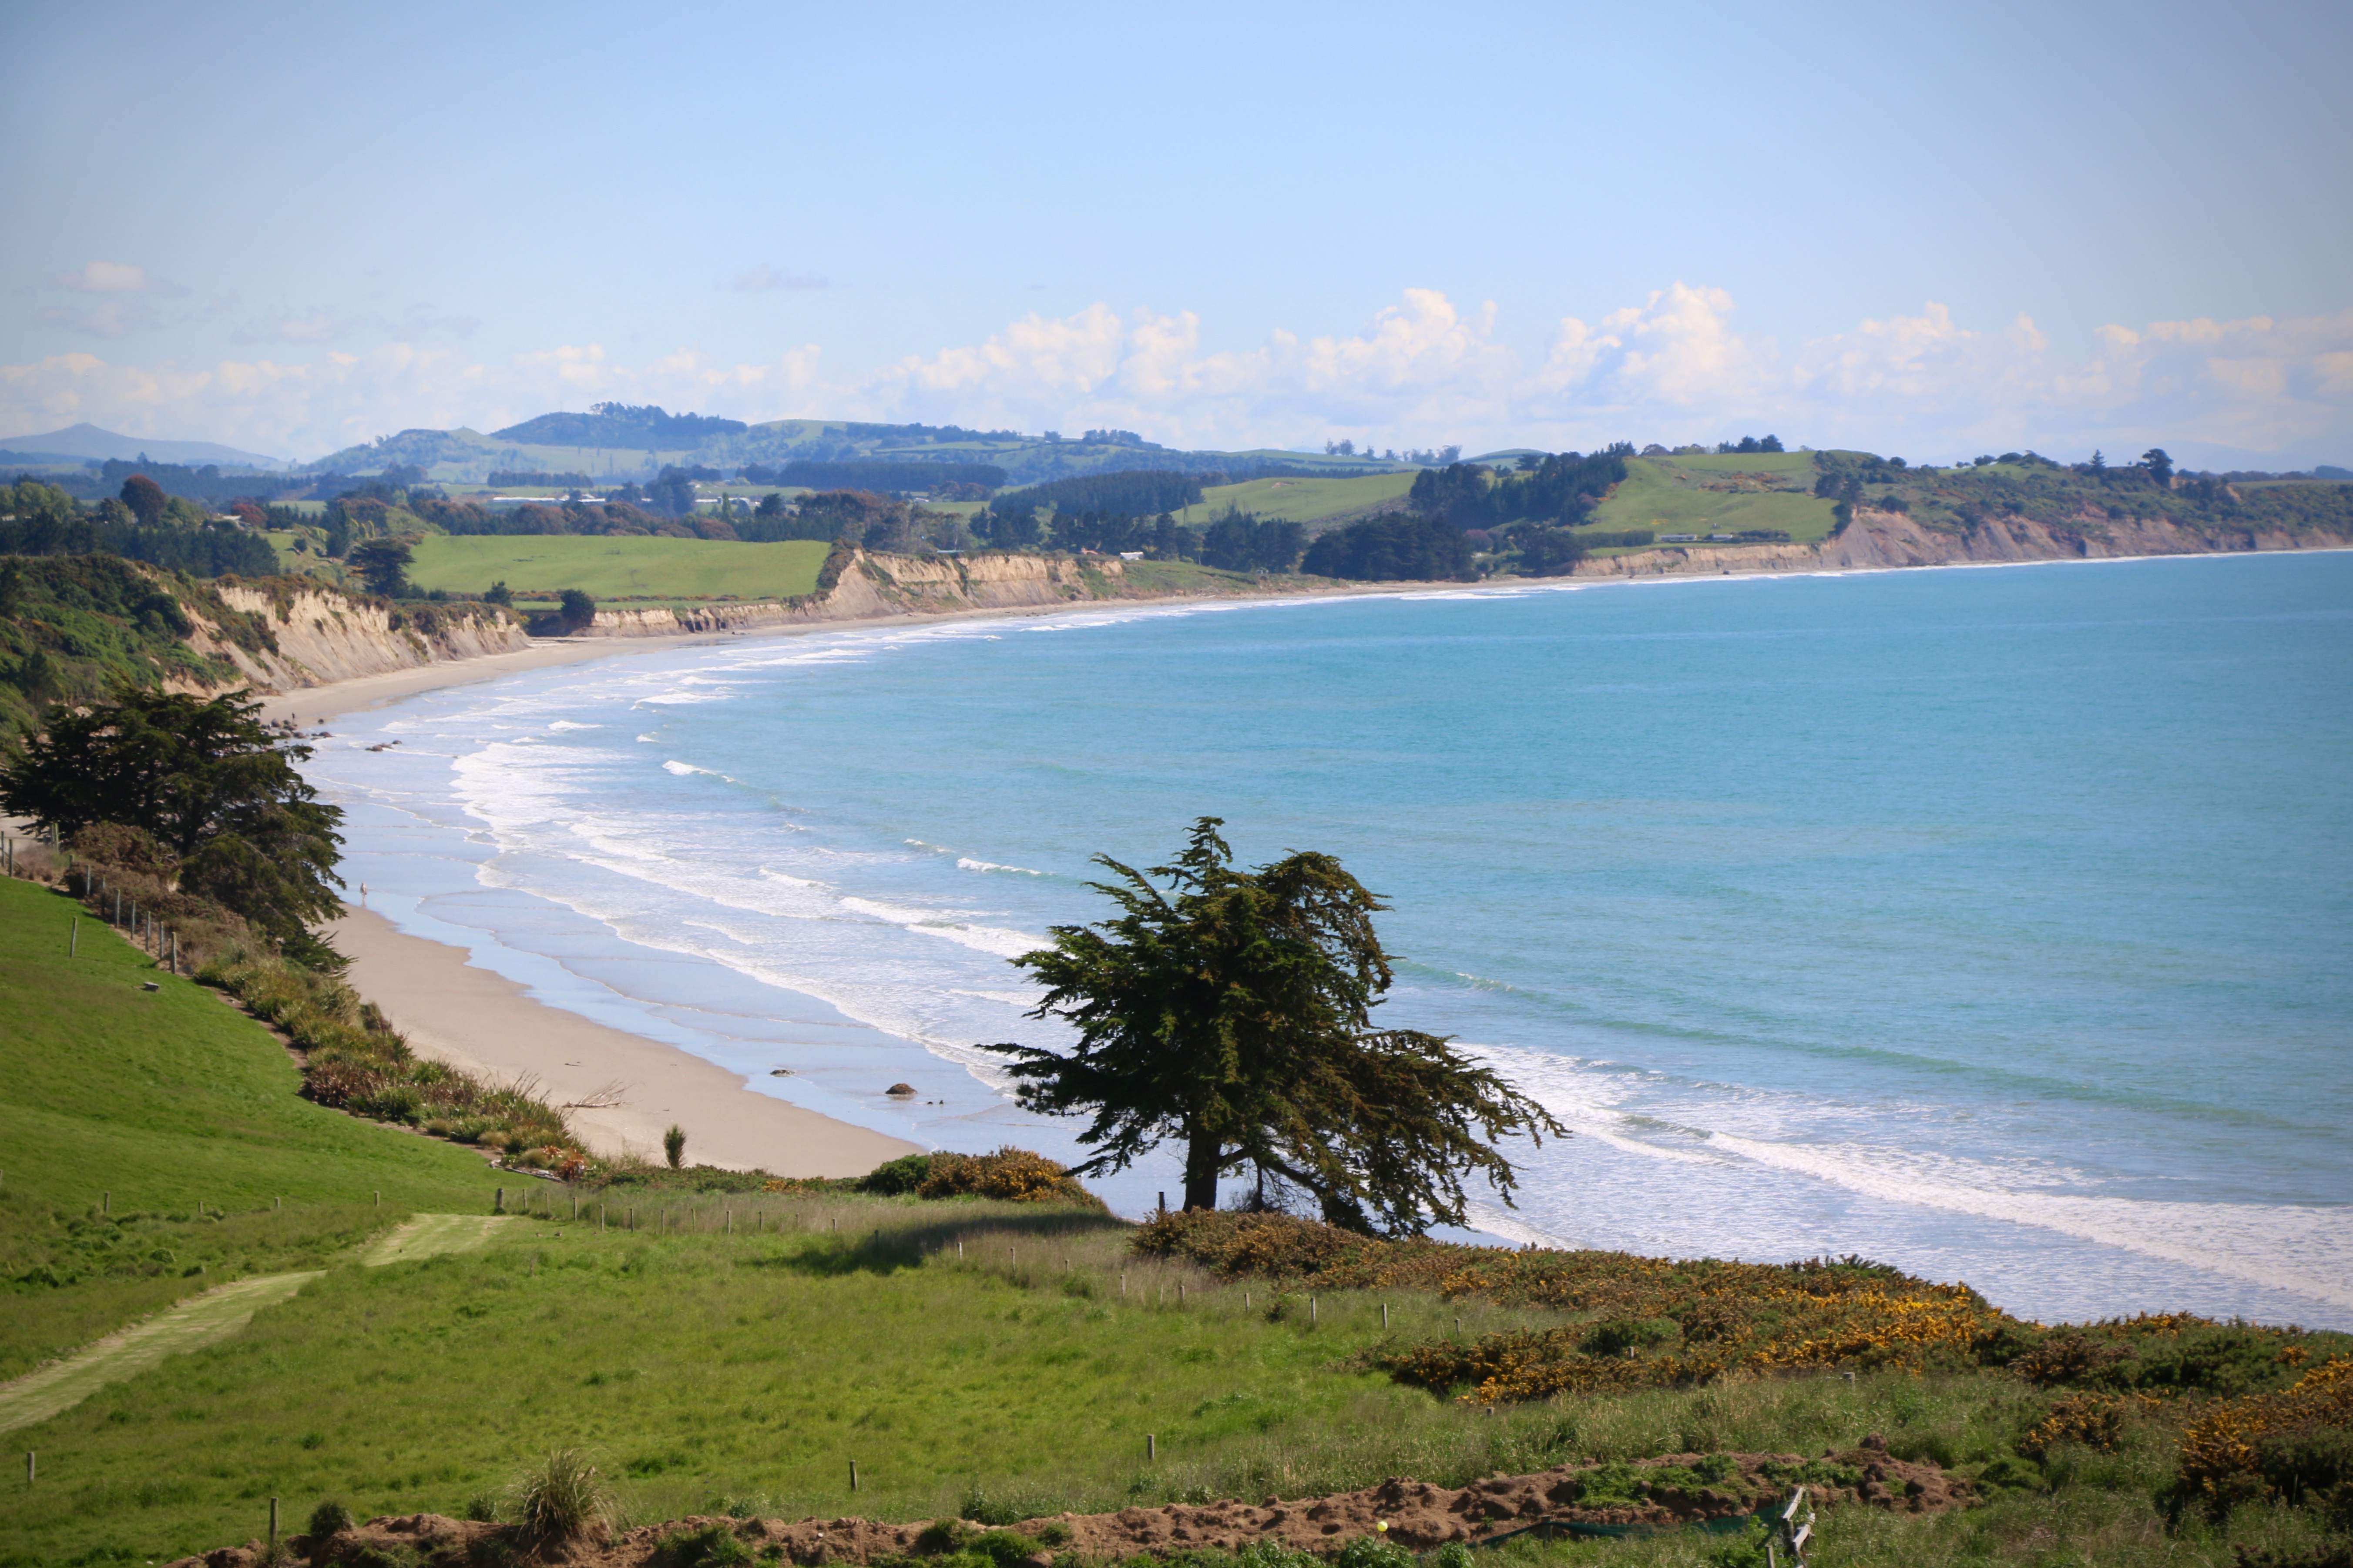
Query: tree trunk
point(1201, 1157)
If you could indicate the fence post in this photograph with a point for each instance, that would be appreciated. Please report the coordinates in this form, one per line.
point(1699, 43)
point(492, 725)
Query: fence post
point(273, 1526)
point(499, 1204)
point(73, 943)
point(1151, 1447)
point(854, 1475)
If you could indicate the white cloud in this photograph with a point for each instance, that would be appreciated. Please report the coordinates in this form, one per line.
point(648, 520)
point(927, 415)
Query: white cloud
point(1423, 372)
point(115, 277)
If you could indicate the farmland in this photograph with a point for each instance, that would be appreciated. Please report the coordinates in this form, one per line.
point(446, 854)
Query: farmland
point(1718, 494)
point(618, 567)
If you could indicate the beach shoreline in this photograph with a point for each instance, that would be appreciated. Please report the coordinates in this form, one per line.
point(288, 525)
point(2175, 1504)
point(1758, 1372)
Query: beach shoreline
point(329, 699)
point(492, 1027)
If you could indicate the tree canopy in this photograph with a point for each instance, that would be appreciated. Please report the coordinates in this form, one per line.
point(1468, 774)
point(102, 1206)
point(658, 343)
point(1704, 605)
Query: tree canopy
point(210, 783)
point(1231, 1012)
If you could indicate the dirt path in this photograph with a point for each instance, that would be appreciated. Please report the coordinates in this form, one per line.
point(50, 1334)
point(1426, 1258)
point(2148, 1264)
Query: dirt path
point(203, 1320)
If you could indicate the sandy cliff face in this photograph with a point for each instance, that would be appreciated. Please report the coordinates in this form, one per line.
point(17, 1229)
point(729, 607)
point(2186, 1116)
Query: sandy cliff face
point(1888, 539)
point(875, 586)
point(312, 637)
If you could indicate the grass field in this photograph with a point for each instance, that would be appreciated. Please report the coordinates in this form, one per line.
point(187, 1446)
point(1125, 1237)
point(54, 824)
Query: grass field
point(617, 568)
point(1299, 500)
point(711, 1370)
point(150, 1104)
point(1667, 494)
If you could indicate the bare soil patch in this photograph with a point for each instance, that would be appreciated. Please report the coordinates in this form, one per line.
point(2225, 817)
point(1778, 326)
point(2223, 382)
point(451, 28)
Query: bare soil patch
point(1417, 1515)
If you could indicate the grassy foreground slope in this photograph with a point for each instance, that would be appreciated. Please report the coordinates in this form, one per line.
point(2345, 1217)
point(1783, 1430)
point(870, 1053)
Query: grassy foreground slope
point(715, 1372)
point(122, 1110)
point(623, 567)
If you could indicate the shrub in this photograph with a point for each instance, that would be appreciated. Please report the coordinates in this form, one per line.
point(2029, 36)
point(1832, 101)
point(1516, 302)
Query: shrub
point(982, 1509)
point(560, 1497)
point(1373, 1552)
point(712, 1546)
point(674, 1145)
point(1620, 1335)
point(896, 1178)
point(330, 1517)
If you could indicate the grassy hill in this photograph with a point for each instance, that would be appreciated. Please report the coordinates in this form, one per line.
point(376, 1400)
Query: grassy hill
point(622, 567)
point(1308, 500)
point(152, 1104)
point(464, 455)
point(1719, 494)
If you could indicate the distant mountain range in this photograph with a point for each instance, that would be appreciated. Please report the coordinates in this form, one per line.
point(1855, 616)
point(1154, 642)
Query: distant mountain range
point(83, 443)
point(613, 441)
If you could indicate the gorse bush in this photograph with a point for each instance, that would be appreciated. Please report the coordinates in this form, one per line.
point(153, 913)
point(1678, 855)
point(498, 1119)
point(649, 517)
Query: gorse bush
point(1013, 1175)
point(330, 1517)
point(2294, 1446)
point(1659, 1322)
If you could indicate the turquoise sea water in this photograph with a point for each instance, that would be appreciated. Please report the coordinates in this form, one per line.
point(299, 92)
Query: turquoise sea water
point(1995, 923)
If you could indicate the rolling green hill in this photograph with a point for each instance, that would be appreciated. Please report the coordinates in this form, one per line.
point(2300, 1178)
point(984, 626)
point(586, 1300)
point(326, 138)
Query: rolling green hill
point(1719, 494)
point(148, 1104)
point(621, 567)
point(1301, 500)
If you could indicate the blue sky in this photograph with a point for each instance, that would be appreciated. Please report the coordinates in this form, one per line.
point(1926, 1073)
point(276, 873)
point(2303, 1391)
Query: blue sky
point(1933, 229)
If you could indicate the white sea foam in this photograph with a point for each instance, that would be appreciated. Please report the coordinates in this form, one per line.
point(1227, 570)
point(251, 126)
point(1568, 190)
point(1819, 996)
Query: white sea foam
point(965, 863)
point(561, 725)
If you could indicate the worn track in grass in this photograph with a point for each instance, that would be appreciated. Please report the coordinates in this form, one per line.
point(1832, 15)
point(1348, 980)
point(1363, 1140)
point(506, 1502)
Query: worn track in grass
point(214, 1316)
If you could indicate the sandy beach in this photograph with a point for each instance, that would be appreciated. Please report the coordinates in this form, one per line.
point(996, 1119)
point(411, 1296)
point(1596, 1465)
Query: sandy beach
point(487, 1025)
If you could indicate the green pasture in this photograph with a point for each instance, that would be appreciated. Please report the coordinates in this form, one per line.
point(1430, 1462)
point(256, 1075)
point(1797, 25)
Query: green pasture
point(737, 1353)
point(122, 1110)
point(1299, 500)
point(1666, 495)
point(618, 567)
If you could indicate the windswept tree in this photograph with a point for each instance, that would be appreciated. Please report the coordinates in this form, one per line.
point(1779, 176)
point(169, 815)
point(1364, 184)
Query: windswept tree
point(383, 564)
point(1230, 1011)
point(208, 781)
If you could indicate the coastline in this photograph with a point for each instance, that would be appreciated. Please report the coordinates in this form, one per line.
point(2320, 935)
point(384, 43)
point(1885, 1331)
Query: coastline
point(329, 699)
point(494, 1027)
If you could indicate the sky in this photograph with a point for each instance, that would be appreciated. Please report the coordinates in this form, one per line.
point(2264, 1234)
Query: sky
point(1932, 229)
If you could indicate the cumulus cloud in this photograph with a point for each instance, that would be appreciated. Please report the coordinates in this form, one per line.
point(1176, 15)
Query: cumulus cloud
point(1423, 372)
point(764, 278)
point(115, 277)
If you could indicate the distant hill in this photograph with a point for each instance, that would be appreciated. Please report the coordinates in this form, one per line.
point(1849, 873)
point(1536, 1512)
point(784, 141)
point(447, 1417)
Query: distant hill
point(81, 443)
point(647, 429)
point(615, 442)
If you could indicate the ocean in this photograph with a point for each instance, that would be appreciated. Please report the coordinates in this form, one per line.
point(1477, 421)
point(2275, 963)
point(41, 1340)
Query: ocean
point(1993, 923)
